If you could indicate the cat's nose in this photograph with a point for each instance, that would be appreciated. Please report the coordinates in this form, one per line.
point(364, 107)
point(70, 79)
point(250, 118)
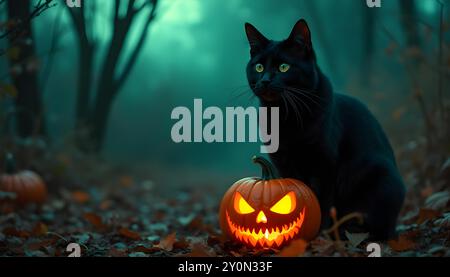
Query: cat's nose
point(265, 80)
point(265, 83)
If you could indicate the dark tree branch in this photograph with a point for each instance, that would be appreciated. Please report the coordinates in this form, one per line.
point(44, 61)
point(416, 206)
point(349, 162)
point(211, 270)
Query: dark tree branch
point(40, 7)
point(137, 49)
point(95, 115)
point(85, 69)
point(410, 23)
point(56, 34)
point(23, 72)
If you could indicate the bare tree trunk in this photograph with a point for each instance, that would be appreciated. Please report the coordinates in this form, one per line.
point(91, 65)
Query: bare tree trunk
point(99, 119)
point(24, 71)
point(85, 72)
point(93, 112)
point(409, 23)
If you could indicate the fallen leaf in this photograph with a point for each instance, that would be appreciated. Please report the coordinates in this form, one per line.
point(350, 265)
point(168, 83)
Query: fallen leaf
point(427, 192)
point(199, 250)
point(81, 196)
point(438, 200)
point(95, 220)
point(167, 242)
point(137, 255)
point(235, 254)
point(129, 234)
point(185, 220)
point(444, 221)
point(323, 246)
point(82, 238)
point(402, 244)
point(105, 205)
point(40, 244)
point(427, 214)
point(113, 252)
point(126, 181)
point(446, 167)
point(437, 249)
point(181, 244)
point(295, 249)
point(263, 252)
point(356, 239)
point(36, 253)
point(145, 249)
point(412, 234)
point(11, 231)
point(214, 240)
point(196, 224)
point(153, 238)
point(40, 229)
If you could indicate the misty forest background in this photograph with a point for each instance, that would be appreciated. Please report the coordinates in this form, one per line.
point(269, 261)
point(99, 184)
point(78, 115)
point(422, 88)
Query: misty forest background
point(86, 93)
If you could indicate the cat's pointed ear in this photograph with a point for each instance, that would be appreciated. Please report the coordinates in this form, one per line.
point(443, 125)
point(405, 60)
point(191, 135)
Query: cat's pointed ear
point(257, 40)
point(301, 34)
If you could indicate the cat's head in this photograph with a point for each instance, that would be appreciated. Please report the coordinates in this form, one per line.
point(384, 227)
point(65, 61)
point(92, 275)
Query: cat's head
point(283, 72)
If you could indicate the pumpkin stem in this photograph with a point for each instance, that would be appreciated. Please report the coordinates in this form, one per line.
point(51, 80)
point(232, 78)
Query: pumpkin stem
point(10, 164)
point(268, 172)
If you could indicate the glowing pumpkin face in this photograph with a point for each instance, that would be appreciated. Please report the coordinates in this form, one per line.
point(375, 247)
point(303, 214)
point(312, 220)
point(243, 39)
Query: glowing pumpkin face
point(268, 212)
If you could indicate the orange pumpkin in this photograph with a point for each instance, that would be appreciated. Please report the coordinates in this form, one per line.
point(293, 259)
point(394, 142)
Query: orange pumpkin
point(269, 211)
point(27, 186)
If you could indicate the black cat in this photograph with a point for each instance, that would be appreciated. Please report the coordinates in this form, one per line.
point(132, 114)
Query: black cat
point(330, 141)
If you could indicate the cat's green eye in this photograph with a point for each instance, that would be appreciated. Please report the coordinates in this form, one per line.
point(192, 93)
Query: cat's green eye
point(259, 68)
point(284, 67)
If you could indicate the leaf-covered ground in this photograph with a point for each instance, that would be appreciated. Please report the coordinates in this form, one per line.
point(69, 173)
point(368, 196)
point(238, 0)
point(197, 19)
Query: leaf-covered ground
point(111, 215)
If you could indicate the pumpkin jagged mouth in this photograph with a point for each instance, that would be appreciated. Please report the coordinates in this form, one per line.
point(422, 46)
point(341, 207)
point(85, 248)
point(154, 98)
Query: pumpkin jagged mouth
point(266, 237)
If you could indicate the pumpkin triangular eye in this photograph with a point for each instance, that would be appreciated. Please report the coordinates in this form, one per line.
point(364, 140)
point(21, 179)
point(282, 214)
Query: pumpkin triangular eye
point(286, 205)
point(241, 206)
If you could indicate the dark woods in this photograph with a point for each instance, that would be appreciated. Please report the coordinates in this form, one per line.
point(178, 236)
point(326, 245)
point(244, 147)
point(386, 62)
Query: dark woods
point(85, 101)
point(94, 100)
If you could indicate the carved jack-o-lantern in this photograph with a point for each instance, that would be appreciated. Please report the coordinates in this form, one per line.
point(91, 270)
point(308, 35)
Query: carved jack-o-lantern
point(268, 211)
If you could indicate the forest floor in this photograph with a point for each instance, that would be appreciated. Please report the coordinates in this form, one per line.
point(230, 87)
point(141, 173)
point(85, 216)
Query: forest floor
point(119, 216)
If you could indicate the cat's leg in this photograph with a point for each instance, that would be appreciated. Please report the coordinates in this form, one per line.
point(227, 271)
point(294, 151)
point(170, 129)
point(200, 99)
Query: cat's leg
point(324, 193)
point(384, 202)
point(378, 193)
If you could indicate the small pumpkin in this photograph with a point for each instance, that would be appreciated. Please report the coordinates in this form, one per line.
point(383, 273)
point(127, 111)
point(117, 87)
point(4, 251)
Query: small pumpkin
point(26, 185)
point(269, 211)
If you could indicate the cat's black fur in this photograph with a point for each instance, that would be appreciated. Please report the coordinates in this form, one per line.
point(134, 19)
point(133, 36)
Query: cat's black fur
point(328, 140)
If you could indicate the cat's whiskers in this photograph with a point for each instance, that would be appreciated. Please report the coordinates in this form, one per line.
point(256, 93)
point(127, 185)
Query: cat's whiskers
point(302, 93)
point(242, 91)
point(300, 104)
point(307, 95)
point(299, 100)
point(309, 92)
point(286, 107)
point(298, 116)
